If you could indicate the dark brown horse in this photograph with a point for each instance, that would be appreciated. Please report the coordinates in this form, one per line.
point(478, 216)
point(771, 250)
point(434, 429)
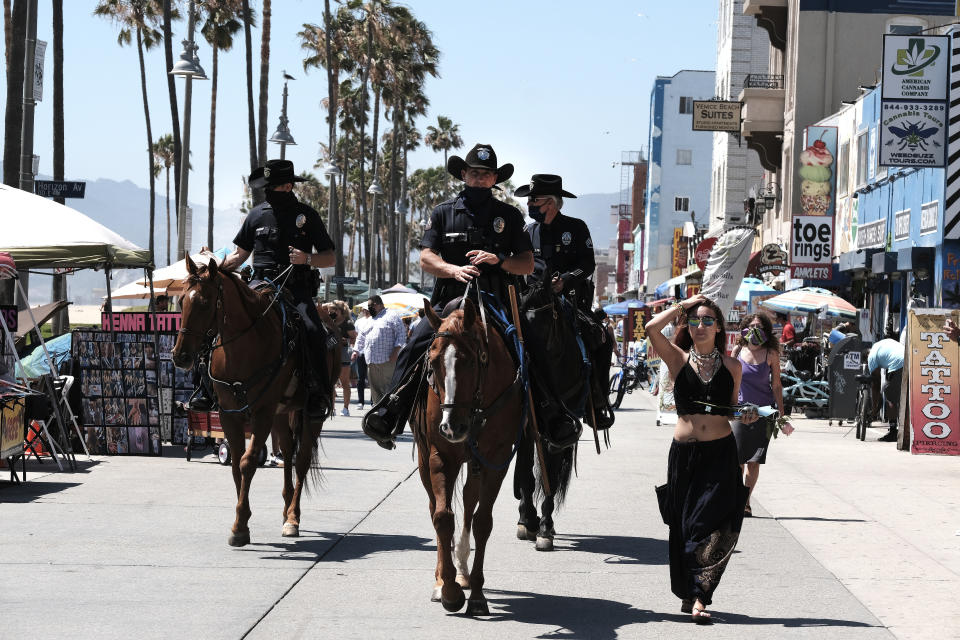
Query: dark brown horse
point(255, 378)
point(472, 416)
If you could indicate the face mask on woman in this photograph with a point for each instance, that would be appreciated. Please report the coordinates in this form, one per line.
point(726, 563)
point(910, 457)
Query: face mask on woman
point(756, 336)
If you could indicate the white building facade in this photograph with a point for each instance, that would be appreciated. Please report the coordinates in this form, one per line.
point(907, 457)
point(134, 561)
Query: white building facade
point(743, 49)
point(678, 178)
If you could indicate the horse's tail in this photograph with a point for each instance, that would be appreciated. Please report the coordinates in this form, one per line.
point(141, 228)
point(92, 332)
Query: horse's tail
point(306, 434)
point(560, 467)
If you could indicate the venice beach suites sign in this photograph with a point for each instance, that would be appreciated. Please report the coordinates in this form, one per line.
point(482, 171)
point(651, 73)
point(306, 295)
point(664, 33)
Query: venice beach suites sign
point(716, 115)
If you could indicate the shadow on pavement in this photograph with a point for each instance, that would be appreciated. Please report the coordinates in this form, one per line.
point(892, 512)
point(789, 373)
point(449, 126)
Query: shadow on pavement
point(815, 519)
point(338, 547)
point(736, 618)
point(620, 549)
point(30, 491)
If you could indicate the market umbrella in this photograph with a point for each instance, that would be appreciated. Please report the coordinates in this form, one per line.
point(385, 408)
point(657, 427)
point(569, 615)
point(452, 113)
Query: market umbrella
point(811, 299)
point(398, 288)
point(748, 285)
point(406, 304)
point(171, 277)
point(622, 308)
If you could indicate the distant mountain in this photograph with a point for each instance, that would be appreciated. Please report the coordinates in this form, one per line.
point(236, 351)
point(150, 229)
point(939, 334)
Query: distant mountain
point(594, 209)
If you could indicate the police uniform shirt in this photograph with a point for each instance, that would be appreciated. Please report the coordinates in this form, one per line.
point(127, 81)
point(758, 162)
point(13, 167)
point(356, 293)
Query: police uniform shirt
point(496, 226)
point(563, 247)
point(269, 232)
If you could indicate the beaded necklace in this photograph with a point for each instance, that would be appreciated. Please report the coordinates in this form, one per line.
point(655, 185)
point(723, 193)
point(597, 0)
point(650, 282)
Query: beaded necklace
point(705, 362)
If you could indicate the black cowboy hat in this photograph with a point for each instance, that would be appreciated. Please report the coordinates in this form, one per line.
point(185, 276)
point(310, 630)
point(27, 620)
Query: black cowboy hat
point(543, 184)
point(482, 156)
point(274, 173)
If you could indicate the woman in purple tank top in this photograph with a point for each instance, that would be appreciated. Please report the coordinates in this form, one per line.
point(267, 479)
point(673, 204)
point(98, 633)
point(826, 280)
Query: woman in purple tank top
point(760, 385)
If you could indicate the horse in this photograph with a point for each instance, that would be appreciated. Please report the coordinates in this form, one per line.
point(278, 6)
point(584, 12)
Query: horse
point(573, 376)
point(470, 413)
point(255, 377)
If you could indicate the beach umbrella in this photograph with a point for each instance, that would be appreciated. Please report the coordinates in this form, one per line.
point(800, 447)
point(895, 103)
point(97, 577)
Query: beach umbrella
point(398, 288)
point(171, 277)
point(623, 308)
point(811, 299)
point(406, 304)
point(748, 285)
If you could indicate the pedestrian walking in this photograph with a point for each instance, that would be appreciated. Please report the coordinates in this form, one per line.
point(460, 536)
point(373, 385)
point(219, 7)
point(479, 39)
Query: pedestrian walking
point(758, 351)
point(380, 341)
point(339, 312)
point(704, 497)
point(358, 360)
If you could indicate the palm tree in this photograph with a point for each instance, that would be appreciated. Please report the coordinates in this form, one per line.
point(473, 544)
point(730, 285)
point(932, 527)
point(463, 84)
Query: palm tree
point(264, 81)
point(61, 321)
point(251, 119)
point(444, 136)
point(138, 18)
point(165, 151)
point(169, 15)
point(13, 116)
point(220, 27)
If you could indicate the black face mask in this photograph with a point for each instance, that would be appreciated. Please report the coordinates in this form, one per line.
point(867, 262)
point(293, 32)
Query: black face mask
point(281, 199)
point(536, 213)
point(477, 195)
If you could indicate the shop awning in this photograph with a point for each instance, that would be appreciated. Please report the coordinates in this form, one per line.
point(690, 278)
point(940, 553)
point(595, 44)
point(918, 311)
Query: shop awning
point(861, 259)
point(662, 290)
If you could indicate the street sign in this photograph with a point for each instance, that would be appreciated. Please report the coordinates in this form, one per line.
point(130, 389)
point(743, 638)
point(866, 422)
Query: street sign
point(716, 115)
point(344, 279)
point(41, 49)
point(60, 188)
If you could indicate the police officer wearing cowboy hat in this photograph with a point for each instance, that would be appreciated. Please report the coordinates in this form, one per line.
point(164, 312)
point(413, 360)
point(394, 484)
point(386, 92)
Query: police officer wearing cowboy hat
point(474, 236)
point(562, 247)
point(282, 232)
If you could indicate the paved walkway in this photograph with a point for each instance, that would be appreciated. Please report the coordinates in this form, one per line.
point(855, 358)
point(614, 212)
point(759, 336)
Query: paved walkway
point(850, 540)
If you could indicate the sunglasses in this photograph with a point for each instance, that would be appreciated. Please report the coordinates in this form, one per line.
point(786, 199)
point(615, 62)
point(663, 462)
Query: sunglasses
point(707, 321)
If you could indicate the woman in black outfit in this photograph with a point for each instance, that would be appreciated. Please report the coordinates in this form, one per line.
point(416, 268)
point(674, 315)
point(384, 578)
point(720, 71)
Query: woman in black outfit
point(704, 497)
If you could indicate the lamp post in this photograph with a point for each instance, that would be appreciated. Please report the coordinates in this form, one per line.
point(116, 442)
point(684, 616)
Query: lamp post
point(402, 257)
point(375, 190)
point(188, 67)
point(282, 135)
point(332, 173)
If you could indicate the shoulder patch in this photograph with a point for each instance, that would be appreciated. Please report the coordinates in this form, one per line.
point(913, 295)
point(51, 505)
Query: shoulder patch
point(589, 242)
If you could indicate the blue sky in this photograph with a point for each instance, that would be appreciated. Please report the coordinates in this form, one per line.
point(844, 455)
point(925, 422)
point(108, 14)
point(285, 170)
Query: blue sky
point(555, 86)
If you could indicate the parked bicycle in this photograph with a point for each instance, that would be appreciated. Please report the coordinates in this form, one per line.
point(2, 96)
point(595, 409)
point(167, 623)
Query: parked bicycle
point(633, 374)
point(802, 390)
point(865, 405)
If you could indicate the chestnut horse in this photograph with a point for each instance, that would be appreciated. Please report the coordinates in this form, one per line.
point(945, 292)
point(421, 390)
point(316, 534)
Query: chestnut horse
point(472, 415)
point(255, 378)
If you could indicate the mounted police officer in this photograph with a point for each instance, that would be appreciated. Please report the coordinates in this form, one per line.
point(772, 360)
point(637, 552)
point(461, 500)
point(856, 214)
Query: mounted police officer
point(474, 236)
point(562, 248)
point(284, 232)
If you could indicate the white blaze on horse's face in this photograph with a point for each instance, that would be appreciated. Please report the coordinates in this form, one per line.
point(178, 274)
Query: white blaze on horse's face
point(449, 388)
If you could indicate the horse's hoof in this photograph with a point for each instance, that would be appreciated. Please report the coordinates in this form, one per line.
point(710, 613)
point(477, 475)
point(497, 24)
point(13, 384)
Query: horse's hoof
point(435, 596)
point(523, 533)
point(477, 607)
point(453, 605)
point(291, 530)
point(544, 544)
point(239, 539)
point(463, 581)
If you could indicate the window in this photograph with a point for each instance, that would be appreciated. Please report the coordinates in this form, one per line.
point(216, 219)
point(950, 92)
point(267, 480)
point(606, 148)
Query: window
point(684, 156)
point(681, 204)
point(843, 169)
point(863, 158)
point(906, 25)
point(686, 105)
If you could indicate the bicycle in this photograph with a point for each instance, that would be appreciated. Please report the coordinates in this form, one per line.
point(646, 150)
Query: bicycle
point(633, 375)
point(802, 390)
point(865, 412)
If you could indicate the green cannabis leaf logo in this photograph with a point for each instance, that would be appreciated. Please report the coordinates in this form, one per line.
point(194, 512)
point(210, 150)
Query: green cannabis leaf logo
point(912, 60)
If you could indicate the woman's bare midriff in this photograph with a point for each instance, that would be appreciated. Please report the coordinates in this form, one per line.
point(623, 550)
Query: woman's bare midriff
point(701, 428)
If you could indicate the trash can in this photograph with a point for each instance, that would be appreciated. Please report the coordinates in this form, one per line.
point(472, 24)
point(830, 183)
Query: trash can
point(843, 365)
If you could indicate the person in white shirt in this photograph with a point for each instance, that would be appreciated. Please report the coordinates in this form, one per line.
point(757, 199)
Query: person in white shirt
point(380, 340)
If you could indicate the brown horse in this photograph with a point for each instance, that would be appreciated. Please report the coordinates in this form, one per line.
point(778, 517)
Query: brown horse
point(472, 414)
point(255, 379)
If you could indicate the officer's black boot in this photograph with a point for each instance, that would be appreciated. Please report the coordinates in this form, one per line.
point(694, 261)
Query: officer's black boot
point(387, 417)
point(558, 427)
point(201, 399)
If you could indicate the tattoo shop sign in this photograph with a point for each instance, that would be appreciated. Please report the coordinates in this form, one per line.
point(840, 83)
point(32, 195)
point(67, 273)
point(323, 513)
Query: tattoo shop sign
point(913, 134)
point(932, 378)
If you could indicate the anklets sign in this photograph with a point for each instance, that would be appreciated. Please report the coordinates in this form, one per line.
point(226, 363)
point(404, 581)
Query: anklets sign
point(811, 232)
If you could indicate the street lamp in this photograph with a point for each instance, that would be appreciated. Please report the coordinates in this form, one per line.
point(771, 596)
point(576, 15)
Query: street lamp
point(375, 190)
point(771, 196)
point(188, 67)
point(332, 173)
point(282, 135)
point(401, 214)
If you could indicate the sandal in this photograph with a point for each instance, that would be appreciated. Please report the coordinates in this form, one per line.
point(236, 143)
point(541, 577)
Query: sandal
point(747, 511)
point(686, 606)
point(700, 616)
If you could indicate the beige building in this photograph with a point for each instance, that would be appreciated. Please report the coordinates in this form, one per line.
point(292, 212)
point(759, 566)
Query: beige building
point(818, 61)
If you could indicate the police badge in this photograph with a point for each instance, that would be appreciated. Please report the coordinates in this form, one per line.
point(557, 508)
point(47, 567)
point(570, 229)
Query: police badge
point(499, 224)
point(266, 172)
point(483, 154)
point(566, 238)
point(301, 220)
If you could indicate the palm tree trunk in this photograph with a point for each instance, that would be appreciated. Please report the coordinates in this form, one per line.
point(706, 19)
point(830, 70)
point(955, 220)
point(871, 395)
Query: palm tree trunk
point(255, 194)
point(213, 137)
point(146, 114)
point(404, 249)
point(172, 94)
point(336, 222)
point(373, 172)
point(61, 321)
point(13, 116)
point(264, 82)
point(7, 29)
point(394, 245)
point(168, 215)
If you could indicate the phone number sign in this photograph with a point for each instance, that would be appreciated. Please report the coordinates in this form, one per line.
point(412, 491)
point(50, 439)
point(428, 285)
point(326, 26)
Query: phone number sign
point(913, 134)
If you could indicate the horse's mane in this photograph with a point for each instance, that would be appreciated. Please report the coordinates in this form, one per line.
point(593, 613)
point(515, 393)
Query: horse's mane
point(251, 296)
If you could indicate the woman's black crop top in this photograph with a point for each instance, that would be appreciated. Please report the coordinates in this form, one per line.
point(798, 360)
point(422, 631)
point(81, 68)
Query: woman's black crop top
point(690, 392)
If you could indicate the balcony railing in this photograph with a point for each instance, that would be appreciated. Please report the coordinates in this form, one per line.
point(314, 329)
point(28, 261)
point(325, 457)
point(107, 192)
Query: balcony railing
point(763, 81)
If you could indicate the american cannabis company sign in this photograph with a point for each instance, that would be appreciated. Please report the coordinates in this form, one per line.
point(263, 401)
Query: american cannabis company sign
point(915, 67)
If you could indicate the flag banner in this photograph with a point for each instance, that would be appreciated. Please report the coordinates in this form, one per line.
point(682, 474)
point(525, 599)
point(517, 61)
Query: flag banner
point(726, 266)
